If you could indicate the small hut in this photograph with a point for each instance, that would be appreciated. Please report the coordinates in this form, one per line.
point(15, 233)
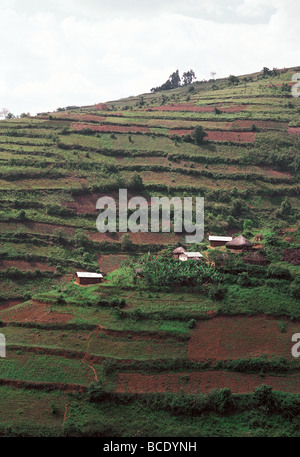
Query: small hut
point(258, 238)
point(256, 258)
point(239, 244)
point(215, 241)
point(139, 273)
point(86, 278)
point(178, 251)
point(190, 256)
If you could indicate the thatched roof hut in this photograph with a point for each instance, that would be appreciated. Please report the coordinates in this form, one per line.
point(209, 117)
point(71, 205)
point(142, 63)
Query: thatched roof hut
point(239, 243)
point(258, 237)
point(139, 272)
point(256, 258)
point(179, 250)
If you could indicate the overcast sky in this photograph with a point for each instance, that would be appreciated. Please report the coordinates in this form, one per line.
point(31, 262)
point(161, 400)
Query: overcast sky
point(55, 53)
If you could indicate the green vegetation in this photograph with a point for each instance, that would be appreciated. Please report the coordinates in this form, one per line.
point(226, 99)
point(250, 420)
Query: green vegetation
point(159, 341)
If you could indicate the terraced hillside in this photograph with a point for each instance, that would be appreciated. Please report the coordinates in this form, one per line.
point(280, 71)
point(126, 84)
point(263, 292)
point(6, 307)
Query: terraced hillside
point(133, 354)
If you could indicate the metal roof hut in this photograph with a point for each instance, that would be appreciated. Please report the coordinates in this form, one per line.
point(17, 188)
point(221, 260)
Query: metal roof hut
point(256, 258)
point(240, 243)
point(178, 251)
point(86, 278)
point(215, 241)
point(190, 256)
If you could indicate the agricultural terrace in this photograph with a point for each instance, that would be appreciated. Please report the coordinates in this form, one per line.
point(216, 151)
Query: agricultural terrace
point(158, 341)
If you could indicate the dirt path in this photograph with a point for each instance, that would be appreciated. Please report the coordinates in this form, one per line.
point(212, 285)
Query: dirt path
point(92, 368)
point(65, 414)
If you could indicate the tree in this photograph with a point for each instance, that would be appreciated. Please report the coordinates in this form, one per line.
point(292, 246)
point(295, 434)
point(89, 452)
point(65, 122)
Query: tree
point(188, 77)
point(285, 209)
point(263, 396)
point(247, 225)
point(4, 112)
point(136, 182)
point(233, 79)
point(126, 243)
point(21, 215)
point(199, 134)
point(174, 79)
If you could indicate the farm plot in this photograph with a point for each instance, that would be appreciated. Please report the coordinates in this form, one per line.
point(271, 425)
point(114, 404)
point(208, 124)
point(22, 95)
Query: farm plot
point(294, 130)
point(112, 128)
point(267, 125)
point(235, 137)
point(108, 263)
point(36, 227)
point(24, 407)
point(34, 312)
point(95, 344)
point(241, 337)
point(205, 381)
point(25, 266)
point(191, 304)
point(45, 368)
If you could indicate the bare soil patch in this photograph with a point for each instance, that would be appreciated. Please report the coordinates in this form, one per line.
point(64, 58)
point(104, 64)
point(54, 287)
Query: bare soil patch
point(240, 337)
point(35, 312)
point(204, 381)
point(25, 266)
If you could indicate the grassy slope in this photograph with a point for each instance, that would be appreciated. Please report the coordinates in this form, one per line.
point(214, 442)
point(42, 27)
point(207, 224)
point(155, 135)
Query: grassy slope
point(55, 173)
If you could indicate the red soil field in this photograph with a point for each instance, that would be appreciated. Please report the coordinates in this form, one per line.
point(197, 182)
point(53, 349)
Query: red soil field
point(35, 312)
point(9, 304)
point(138, 238)
point(271, 172)
point(240, 337)
point(236, 137)
point(25, 266)
point(180, 132)
point(155, 238)
point(100, 107)
point(112, 128)
point(101, 237)
point(84, 117)
point(86, 203)
point(205, 381)
point(294, 130)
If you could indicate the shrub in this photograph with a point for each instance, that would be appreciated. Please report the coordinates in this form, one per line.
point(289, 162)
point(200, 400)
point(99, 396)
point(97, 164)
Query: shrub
point(221, 399)
point(263, 397)
point(217, 292)
point(295, 288)
point(277, 271)
point(96, 391)
point(244, 280)
point(192, 323)
point(126, 242)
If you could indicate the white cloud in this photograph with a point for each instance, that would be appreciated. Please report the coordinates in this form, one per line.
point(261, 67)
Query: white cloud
point(82, 52)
